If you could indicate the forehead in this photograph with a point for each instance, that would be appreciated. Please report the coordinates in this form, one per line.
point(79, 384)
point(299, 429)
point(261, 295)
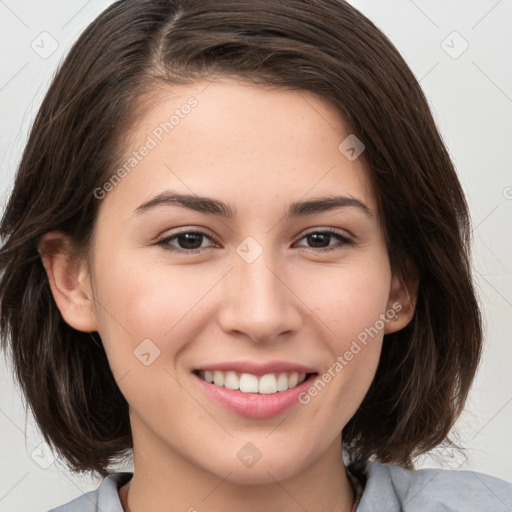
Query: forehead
point(253, 146)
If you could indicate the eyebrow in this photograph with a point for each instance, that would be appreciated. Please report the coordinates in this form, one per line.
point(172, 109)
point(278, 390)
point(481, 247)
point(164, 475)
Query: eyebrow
point(215, 207)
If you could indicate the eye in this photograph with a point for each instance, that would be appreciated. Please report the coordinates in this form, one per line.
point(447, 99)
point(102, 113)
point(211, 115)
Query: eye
point(321, 240)
point(189, 242)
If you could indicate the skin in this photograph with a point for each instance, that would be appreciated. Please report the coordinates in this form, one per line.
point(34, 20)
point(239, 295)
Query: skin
point(258, 149)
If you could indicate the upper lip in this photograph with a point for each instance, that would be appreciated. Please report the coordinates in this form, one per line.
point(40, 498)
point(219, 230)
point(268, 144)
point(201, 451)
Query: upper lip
point(258, 369)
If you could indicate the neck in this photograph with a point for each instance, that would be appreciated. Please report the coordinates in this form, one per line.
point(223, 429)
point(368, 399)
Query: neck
point(162, 476)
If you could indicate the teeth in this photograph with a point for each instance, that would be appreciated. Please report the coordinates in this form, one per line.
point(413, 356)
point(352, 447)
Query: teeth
point(247, 383)
point(218, 378)
point(231, 381)
point(282, 382)
point(268, 384)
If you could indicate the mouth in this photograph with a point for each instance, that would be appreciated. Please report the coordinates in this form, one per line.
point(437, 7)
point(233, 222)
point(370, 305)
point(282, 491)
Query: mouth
point(267, 384)
point(252, 391)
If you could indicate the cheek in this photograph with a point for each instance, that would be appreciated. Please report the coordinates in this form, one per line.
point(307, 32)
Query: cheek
point(350, 303)
point(148, 315)
point(139, 302)
point(350, 300)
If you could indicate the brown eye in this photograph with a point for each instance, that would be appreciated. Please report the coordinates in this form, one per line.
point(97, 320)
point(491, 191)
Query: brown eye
point(190, 242)
point(322, 239)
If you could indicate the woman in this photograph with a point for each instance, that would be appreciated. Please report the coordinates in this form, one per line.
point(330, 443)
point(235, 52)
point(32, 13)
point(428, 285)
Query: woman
point(237, 247)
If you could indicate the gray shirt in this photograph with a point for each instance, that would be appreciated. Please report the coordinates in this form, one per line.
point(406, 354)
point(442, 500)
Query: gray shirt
point(388, 489)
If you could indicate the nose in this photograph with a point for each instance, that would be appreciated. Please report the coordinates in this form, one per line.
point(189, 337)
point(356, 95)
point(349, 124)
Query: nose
point(258, 301)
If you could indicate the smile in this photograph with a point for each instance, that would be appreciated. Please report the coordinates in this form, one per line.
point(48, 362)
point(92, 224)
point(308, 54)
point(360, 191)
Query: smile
point(255, 390)
point(248, 383)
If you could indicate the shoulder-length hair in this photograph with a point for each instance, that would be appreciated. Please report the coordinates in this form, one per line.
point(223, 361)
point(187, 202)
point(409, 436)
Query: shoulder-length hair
point(323, 46)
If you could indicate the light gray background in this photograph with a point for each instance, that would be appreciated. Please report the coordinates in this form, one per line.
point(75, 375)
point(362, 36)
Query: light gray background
point(471, 98)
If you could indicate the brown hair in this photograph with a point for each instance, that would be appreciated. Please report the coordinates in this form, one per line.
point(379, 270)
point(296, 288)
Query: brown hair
point(323, 46)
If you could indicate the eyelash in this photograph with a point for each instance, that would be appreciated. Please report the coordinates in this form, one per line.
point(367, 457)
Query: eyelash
point(164, 242)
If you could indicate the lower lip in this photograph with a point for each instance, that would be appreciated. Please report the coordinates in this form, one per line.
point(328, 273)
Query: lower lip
point(255, 405)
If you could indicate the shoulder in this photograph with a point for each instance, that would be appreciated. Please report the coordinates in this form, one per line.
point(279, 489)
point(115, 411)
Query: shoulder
point(391, 488)
point(104, 499)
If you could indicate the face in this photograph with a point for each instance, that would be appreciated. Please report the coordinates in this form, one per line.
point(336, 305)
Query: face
point(247, 288)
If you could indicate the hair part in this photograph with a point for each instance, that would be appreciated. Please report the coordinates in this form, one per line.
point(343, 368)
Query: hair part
point(81, 133)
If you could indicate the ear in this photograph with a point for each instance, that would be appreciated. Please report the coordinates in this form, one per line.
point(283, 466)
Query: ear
point(402, 300)
point(68, 275)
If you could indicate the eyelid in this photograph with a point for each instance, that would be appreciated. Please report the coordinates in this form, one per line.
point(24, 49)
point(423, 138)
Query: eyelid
point(343, 240)
point(164, 240)
point(334, 231)
point(186, 229)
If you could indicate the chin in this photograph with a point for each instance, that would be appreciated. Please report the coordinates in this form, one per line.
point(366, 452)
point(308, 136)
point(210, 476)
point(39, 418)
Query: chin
point(264, 471)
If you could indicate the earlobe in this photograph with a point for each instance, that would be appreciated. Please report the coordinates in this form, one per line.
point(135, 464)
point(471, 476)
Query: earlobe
point(402, 300)
point(69, 281)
